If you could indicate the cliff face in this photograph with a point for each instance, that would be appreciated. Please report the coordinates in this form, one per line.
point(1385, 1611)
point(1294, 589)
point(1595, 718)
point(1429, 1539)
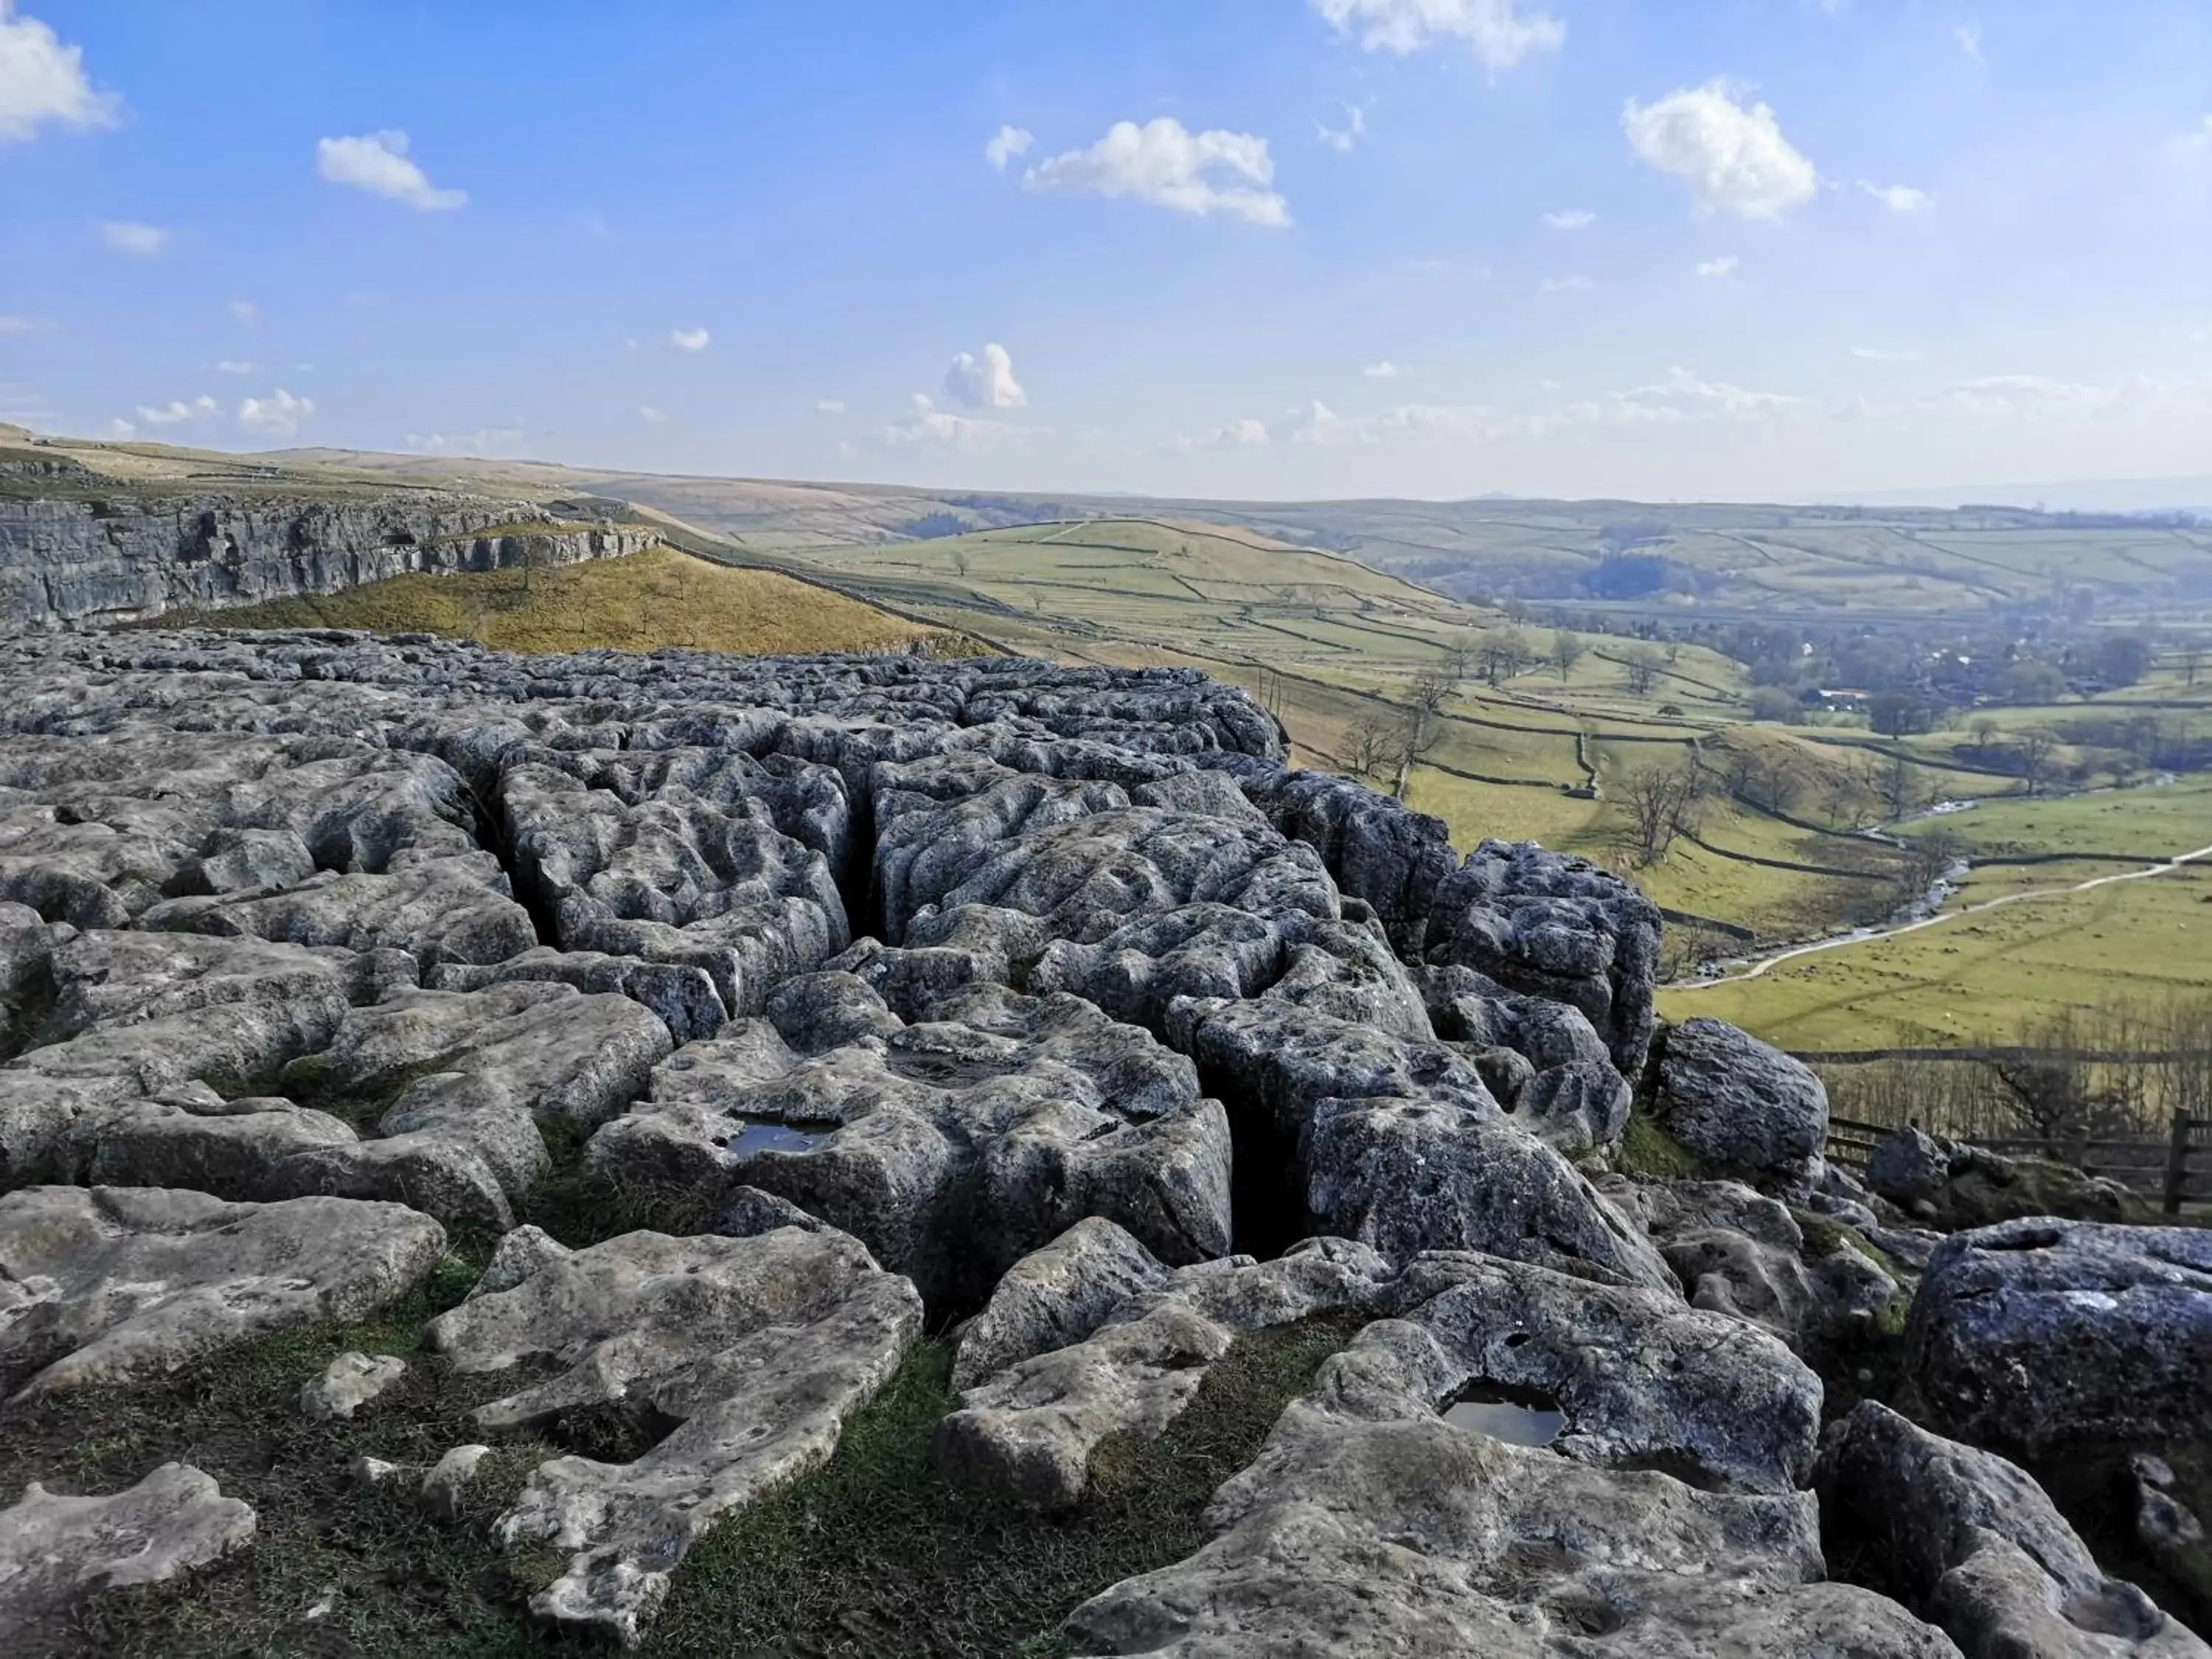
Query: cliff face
point(74, 559)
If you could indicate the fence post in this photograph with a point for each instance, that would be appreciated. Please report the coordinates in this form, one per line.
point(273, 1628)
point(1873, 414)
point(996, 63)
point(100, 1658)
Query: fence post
point(2176, 1163)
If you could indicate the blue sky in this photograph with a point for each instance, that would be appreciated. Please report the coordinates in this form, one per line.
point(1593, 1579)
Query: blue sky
point(1662, 248)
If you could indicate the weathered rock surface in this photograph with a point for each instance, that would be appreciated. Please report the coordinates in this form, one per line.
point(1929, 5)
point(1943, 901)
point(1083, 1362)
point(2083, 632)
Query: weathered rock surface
point(1952, 1184)
point(1028, 1432)
point(1640, 1381)
point(1403, 1535)
point(2033, 1334)
point(1739, 1252)
point(1399, 1144)
point(1973, 1542)
point(106, 1284)
point(1742, 1108)
point(753, 1351)
point(71, 560)
point(952, 1147)
point(1056, 1297)
point(350, 1382)
point(55, 1549)
point(1557, 927)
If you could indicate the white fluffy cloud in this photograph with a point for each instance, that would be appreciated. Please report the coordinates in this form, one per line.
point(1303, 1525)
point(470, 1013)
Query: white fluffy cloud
point(1884, 354)
point(278, 414)
point(1897, 198)
point(1005, 145)
point(235, 366)
point(1165, 163)
point(177, 411)
point(43, 81)
point(21, 325)
point(929, 426)
point(1570, 284)
point(1571, 219)
point(1345, 138)
point(1724, 265)
point(378, 163)
point(987, 383)
point(1731, 154)
point(651, 415)
point(1969, 37)
point(1385, 370)
point(828, 406)
point(485, 440)
point(244, 311)
point(690, 339)
point(1499, 32)
point(127, 236)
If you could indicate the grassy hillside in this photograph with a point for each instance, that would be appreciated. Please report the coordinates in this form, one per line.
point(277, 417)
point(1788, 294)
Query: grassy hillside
point(1979, 977)
point(654, 599)
point(1722, 560)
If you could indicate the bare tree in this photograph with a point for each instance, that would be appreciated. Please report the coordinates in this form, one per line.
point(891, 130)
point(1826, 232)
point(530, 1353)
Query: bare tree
point(1503, 654)
point(1370, 744)
point(1985, 728)
point(1643, 664)
point(2037, 747)
point(960, 563)
point(1928, 859)
point(1662, 803)
point(533, 554)
point(2192, 662)
point(1900, 785)
point(1421, 724)
point(1566, 652)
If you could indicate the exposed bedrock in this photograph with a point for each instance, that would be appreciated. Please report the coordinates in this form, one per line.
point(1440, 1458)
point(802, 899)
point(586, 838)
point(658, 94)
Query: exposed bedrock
point(747, 1354)
point(952, 1146)
point(1952, 1185)
point(1371, 1525)
point(106, 1284)
point(1399, 1144)
point(1742, 1107)
point(1558, 927)
point(1973, 1543)
point(55, 1549)
point(1739, 1252)
point(1634, 1379)
point(2034, 1335)
point(69, 562)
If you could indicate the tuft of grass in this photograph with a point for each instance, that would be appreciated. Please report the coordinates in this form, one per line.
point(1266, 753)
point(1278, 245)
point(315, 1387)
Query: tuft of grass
point(648, 601)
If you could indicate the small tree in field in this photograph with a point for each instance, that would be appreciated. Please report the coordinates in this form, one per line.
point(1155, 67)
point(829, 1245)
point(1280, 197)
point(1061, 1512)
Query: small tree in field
point(1566, 652)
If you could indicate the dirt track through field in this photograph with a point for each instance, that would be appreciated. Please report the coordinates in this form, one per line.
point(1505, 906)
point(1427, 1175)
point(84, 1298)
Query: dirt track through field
point(1758, 966)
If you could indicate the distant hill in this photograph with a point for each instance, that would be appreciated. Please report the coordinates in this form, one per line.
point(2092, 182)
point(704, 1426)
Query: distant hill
point(1752, 559)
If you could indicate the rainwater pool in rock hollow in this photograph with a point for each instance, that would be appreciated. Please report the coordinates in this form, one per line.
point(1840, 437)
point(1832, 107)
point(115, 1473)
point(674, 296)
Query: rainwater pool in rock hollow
point(1519, 1417)
point(776, 1138)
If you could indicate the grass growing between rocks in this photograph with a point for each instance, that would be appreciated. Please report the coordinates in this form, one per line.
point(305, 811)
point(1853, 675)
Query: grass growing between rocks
point(870, 1555)
point(641, 603)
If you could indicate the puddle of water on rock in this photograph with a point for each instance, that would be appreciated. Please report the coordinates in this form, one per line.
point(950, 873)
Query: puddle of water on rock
point(1519, 1417)
point(776, 1138)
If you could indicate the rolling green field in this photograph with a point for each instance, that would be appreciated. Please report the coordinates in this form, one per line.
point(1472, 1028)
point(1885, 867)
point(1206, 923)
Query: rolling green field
point(1980, 975)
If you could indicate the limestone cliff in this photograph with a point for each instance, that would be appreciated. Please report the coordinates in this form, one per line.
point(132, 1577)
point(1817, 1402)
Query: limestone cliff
point(77, 552)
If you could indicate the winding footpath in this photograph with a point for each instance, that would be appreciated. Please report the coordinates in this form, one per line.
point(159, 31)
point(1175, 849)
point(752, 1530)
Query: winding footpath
point(1757, 966)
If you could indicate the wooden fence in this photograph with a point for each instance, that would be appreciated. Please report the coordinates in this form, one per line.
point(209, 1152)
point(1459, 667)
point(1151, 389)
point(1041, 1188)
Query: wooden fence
point(2176, 1168)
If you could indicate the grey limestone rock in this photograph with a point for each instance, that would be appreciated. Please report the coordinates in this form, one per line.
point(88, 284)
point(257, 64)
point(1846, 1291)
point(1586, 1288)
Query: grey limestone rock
point(952, 1147)
point(1028, 1431)
point(1056, 1297)
point(105, 1284)
point(1640, 1381)
point(755, 1349)
point(1549, 925)
point(444, 1489)
point(1400, 1145)
point(55, 1547)
point(350, 1382)
point(1357, 1532)
point(1739, 1252)
point(1742, 1108)
point(1974, 1543)
point(2035, 1334)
